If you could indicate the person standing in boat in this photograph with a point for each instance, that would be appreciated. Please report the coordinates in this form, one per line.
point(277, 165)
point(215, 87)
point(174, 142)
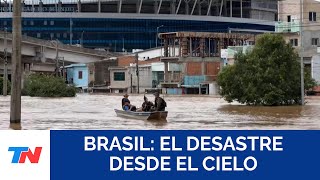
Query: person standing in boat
point(159, 103)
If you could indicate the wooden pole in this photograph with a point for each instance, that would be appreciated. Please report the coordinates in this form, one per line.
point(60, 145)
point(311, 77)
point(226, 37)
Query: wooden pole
point(57, 58)
point(15, 106)
point(137, 66)
point(302, 54)
point(131, 83)
point(5, 69)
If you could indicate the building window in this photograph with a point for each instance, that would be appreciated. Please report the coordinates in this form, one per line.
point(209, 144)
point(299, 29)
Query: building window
point(24, 23)
point(51, 35)
point(289, 18)
point(294, 42)
point(64, 35)
point(80, 75)
point(51, 23)
point(38, 35)
point(45, 23)
point(315, 41)
point(58, 35)
point(118, 76)
point(4, 23)
point(31, 23)
point(312, 16)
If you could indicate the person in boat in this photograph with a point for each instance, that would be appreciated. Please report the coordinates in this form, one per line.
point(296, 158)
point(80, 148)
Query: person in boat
point(159, 103)
point(147, 105)
point(126, 105)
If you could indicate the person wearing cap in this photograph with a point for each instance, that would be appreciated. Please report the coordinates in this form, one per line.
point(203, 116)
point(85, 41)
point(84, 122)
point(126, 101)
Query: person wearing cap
point(159, 103)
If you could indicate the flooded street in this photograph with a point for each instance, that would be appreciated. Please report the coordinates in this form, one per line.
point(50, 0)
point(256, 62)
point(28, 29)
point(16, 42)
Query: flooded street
point(185, 112)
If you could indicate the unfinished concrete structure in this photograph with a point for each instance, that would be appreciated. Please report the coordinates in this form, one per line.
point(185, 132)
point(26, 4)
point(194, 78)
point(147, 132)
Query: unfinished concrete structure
point(199, 54)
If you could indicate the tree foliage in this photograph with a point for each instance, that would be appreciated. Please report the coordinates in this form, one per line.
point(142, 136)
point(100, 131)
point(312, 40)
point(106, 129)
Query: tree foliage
point(47, 86)
point(268, 75)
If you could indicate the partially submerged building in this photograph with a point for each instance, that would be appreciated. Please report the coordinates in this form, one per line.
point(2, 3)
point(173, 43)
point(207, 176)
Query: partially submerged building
point(80, 75)
point(199, 56)
point(125, 79)
point(289, 26)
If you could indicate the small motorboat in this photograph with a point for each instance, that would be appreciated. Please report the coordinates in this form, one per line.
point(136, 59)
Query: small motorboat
point(156, 115)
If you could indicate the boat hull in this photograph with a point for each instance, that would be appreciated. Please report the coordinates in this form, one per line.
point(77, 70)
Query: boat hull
point(156, 115)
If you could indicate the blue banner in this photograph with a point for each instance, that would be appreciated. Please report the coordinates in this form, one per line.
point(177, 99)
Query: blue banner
point(184, 155)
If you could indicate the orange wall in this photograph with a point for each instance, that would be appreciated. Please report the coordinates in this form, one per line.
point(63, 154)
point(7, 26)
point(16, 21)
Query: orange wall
point(213, 68)
point(194, 69)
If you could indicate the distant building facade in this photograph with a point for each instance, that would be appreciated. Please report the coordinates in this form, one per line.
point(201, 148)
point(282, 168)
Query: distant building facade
point(80, 75)
point(199, 57)
point(289, 26)
point(123, 25)
point(125, 79)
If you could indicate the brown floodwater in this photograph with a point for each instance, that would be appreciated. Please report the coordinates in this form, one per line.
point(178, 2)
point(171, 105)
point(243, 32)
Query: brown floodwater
point(93, 111)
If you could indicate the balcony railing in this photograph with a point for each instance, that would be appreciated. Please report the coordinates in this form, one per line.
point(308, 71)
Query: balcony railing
point(283, 27)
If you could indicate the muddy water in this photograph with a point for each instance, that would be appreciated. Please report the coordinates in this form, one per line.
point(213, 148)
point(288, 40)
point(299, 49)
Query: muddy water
point(185, 112)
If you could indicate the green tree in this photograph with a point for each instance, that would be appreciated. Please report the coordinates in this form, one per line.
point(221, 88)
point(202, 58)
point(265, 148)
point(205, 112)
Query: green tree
point(268, 75)
point(47, 86)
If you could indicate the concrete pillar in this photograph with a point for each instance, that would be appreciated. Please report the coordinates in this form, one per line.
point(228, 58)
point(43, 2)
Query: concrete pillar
point(119, 6)
point(166, 72)
point(172, 73)
point(225, 8)
point(231, 11)
point(184, 47)
point(190, 47)
point(138, 6)
point(59, 6)
point(79, 5)
point(172, 7)
point(187, 8)
point(213, 88)
point(40, 6)
point(203, 68)
point(202, 43)
point(166, 47)
point(99, 6)
point(216, 13)
point(155, 7)
point(199, 7)
point(27, 68)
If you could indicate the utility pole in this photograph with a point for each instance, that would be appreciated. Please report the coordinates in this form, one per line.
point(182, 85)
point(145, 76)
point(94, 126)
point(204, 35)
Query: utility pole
point(302, 52)
point(57, 58)
point(5, 69)
point(71, 23)
point(63, 74)
point(15, 106)
point(131, 82)
point(137, 72)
